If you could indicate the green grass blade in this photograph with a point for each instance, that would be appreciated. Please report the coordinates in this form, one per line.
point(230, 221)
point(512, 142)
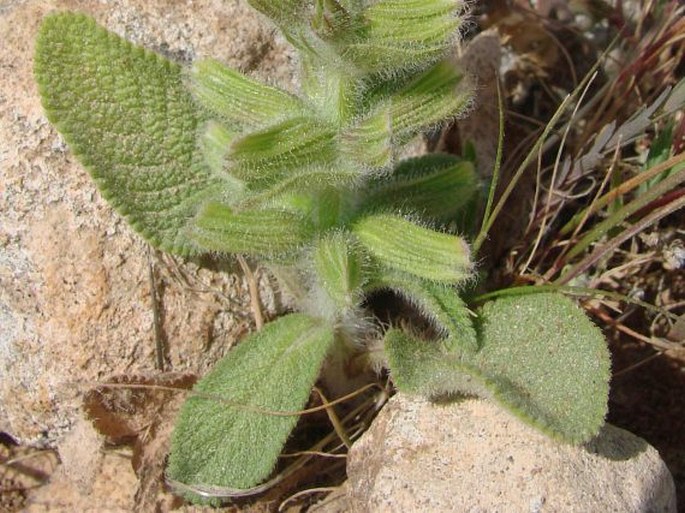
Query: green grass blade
point(569, 290)
point(533, 153)
point(495, 172)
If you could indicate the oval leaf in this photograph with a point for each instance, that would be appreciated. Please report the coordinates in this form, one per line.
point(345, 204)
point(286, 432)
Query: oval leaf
point(230, 435)
point(547, 363)
point(125, 113)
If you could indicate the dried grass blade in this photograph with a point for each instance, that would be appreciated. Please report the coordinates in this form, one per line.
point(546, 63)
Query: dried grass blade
point(614, 243)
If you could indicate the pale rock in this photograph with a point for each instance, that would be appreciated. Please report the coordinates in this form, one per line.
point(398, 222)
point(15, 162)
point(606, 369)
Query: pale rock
point(75, 288)
point(471, 456)
point(481, 61)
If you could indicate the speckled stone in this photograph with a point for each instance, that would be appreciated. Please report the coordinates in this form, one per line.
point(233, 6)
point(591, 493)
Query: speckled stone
point(75, 294)
point(472, 456)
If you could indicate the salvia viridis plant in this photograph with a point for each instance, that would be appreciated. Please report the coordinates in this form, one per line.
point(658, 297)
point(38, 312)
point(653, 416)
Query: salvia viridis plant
point(209, 160)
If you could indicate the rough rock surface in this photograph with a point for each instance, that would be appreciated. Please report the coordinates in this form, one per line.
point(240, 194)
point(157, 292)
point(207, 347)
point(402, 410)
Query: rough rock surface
point(471, 456)
point(75, 284)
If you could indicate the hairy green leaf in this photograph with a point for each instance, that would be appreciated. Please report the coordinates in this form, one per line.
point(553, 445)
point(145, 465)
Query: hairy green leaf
point(424, 367)
point(369, 141)
point(328, 206)
point(340, 268)
point(404, 34)
point(407, 247)
point(414, 21)
point(231, 433)
point(547, 363)
point(440, 304)
point(271, 233)
point(239, 101)
point(263, 158)
point(214, 143)
point(437, 186)
point(313, 181)
point(431, 98)
point(125, 113)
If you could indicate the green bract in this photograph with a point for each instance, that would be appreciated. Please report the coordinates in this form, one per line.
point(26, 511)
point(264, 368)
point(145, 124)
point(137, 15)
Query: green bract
point(312, 184)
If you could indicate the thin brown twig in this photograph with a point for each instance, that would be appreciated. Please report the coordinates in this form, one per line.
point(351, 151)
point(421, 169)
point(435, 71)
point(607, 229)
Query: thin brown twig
point(313, 453)
point(661, 347)
point(333, 417)
point(255, 304)
point(237, 405)
point(638, 364)
point(308, 491)
point(156, 313)
point(614, 243)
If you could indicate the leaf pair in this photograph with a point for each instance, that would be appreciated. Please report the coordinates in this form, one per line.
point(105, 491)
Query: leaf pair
point(539, 356)
point(270, 134)
point(231, 431)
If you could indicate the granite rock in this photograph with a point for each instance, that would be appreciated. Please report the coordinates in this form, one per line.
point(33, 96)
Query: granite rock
point(471, 456)
point(76, 303)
